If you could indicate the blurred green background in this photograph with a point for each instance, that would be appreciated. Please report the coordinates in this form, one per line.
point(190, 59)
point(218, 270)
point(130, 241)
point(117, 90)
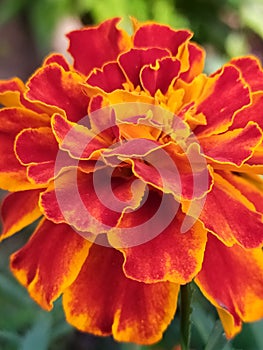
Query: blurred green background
point(29, 30)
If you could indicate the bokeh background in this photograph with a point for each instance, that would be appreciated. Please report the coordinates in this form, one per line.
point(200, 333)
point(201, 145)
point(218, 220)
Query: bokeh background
point(31, 29)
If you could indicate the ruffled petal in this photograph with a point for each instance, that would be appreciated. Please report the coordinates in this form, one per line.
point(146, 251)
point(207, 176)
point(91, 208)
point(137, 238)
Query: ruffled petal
point(50, 261)
point(171, 256)
point(223, 95)
point(231, 278)
point(134, 60)
point(251, 71)
point(109, 78)
point(19, 210)
point(10, 91)
point(103, 301)
point(55, 90)
point(235, 146)
point(231, 216)
point(93, 47)
point(161, 36)
point(36, 145)
point(196, 62)
point(59, 59)
point(160, 76)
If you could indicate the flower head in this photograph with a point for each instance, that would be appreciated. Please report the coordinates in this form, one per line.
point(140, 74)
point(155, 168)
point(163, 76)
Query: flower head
point(143, 170)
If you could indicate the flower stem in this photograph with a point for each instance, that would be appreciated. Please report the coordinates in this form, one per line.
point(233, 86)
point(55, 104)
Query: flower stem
point(185, 321)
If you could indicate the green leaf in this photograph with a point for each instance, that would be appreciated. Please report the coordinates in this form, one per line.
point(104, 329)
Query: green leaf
point(217, 339)
point(38, 337)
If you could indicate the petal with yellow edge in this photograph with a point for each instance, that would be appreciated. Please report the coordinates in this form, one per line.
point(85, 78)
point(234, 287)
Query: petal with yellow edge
point(231, 279)
point(107, 302)
point(55, 90)
point(196, 62)
point(160, 76)
point(251, 70)
point(223, 95)
point(10, 91)
point(93, 47)
point(109, 78)
point(170, 256)
point(19, 209)
point(161, 36)
point(231, 216)
point(50, 261)
point(134, 60)
point(235, 146)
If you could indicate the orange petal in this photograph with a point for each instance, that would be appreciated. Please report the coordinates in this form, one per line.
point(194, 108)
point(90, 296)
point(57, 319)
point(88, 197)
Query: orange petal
point(93, 47)
point(50, 261)
point(103, 301)
point(10, 91)
point(231, 278)
point(231, 216)
point(19, 210)
point(196, 62)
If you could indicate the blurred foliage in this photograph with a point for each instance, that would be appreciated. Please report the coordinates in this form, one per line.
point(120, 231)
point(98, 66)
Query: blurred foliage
point(226, 28)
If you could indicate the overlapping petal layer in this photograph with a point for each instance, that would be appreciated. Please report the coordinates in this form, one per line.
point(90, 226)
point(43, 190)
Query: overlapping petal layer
point(129, 193)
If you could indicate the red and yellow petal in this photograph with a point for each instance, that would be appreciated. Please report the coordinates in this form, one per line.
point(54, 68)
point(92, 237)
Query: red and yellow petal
point(93, 47)
point(107, 302)
point(160, 36)
point(50, 261)
point(223, 95)
point(235, 146)
point(134, 60)
point(36, 145)
point(59, 59)
point(196, 62)
point(169, 256)
point(229, 215)
point(231, 278)
point(56, 90)
point(109, 78)
point(251, 71)
point(10, 92)
point(18, 210)
point(160, 76)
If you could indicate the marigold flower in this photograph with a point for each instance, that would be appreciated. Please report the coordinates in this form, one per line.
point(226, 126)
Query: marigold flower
point(127, 107)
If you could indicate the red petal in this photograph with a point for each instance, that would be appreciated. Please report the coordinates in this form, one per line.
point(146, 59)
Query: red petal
point(251, 70)
point(171, 256)
point(234, 146)
point(161, 36)
point(50, 261)
point(103, 301)
point(56, 90)
point(108, 78)
point(19, 210)
point(160, 76)
point(93, 47)
point(230, 216)
point(253, 112)
point(226, 94)
point(36, 145)
point(134, 60)
point(231, 278)
point(41, 173)
point(59, 59)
